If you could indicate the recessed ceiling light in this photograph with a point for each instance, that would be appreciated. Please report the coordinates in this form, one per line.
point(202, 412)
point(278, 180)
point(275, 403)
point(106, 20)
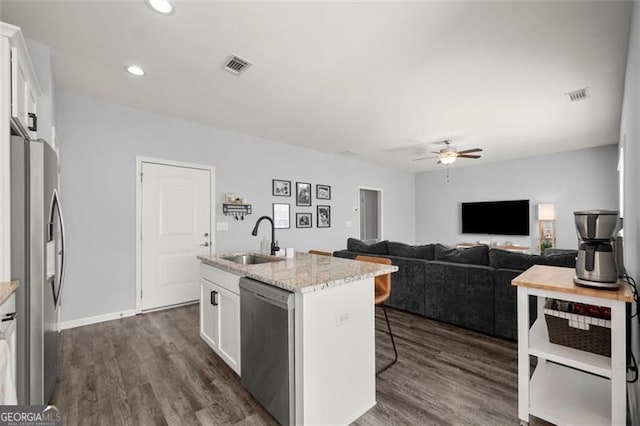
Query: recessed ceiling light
point(135, 70)
point(161, 6)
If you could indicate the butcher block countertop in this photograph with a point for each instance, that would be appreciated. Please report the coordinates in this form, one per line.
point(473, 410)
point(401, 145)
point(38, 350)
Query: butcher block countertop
point(303, 273)
point(7, 289)
point(554, 278)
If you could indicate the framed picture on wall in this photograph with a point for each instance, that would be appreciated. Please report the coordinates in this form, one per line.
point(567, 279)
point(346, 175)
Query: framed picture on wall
point(324, 216)
point(323, 192)
point(303, 220)
point(281, 188)
point(303, 194)
point(281, 215)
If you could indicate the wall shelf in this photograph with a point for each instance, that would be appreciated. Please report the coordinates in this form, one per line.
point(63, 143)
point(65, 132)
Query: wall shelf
point(239, 211)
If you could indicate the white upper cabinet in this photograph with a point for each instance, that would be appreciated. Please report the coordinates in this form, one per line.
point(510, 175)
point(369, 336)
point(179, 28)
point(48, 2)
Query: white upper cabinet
point(24, 87)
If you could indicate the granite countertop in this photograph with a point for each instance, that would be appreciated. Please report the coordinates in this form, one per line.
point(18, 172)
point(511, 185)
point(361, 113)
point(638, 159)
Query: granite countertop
point(304, 273)
point(7, 289)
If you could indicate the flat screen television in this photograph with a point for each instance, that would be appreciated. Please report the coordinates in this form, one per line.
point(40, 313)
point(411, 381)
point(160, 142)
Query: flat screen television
point(496, 217)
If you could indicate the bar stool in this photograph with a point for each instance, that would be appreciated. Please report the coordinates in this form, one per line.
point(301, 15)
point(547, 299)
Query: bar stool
point(320, 253)
point(382, 293)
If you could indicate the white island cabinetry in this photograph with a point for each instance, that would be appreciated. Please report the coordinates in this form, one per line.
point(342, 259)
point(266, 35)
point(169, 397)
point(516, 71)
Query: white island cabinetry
point(334, 330)
point(220, 313)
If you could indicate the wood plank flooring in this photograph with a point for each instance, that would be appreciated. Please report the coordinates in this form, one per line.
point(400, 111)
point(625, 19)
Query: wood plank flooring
point(153, 369)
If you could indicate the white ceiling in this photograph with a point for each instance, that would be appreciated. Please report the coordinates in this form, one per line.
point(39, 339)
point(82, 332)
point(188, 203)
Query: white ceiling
point(378, 78)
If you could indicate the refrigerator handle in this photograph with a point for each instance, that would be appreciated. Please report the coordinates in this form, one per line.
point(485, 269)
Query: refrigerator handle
point(55, 207)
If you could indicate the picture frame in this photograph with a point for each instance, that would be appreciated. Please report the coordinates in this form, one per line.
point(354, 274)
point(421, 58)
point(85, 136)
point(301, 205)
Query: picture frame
point(281, 215)
point(304, 220)
point(303, 194)
point(323, 192)
point(281, 188)
point(323, 216)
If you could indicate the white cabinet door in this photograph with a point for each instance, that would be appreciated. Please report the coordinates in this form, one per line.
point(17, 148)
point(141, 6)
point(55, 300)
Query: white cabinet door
point(23, 95)
point(209, 321)
point(229, 333)
point(220, 322)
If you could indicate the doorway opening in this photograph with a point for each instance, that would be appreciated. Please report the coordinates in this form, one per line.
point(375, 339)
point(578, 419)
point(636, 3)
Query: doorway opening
point(370, 214)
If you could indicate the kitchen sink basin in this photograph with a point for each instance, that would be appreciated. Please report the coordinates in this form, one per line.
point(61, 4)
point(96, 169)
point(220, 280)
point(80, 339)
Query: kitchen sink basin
point(251, 259)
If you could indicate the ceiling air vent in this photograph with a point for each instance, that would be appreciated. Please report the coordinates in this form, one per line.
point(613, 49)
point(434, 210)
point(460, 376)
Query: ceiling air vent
point(578, 95)
point(235, 64)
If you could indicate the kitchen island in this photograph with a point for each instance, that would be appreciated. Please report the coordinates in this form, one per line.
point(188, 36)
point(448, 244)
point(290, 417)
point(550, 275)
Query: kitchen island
point(334, 329)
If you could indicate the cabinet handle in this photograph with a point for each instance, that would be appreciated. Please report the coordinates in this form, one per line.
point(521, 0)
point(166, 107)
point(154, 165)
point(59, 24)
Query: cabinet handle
point(9, 317)
point(34, 122)
point(213, 298)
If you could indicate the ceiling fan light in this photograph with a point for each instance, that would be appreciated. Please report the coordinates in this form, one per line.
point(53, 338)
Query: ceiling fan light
point(448, 159)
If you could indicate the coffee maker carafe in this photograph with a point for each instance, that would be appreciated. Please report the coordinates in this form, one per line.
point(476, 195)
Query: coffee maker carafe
point(596, 264)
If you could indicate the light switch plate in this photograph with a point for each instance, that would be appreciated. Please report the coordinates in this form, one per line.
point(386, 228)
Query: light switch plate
point(222, 226)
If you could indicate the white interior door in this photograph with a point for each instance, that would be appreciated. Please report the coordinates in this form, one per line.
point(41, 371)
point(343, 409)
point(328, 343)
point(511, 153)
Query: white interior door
point(176, 227)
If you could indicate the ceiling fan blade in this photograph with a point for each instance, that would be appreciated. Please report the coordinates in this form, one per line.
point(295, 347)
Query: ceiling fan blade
point(469, 151)
point(468, 156)
point(424, 158)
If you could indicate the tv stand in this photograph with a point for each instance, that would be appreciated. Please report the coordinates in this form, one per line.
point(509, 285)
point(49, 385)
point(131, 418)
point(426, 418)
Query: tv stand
point(513, 248)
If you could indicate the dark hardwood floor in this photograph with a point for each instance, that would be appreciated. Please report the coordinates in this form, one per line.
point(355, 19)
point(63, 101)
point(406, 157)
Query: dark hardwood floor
point(154, 369)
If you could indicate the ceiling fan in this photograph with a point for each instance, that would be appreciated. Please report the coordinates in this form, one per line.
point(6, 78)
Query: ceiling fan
point(448, 154)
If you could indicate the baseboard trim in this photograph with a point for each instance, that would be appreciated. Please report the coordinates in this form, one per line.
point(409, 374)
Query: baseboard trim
point(65, 325)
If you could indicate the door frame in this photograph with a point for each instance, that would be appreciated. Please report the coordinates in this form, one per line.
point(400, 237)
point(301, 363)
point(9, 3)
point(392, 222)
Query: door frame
point(380, 209)
point(138, 235)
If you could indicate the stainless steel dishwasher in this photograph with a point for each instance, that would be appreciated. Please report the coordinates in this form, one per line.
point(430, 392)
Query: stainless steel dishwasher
point(267, 347)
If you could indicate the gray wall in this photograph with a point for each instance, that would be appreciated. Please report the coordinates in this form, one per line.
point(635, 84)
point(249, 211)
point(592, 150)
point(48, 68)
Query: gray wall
point(630, 137)
point(574, 180)
point(99, 143)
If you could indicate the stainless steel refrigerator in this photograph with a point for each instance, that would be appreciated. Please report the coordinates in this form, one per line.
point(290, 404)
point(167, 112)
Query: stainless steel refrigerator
point(37, 260)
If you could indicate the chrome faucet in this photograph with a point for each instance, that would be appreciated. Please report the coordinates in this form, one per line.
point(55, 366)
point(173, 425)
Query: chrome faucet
point(274, 243)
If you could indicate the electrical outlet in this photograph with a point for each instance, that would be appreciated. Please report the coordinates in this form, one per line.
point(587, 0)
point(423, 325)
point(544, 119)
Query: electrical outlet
point(343, 318)
point(222, 226)
point(348, 224)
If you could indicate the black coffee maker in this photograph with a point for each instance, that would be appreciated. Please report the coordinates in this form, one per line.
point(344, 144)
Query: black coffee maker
point(597, 261)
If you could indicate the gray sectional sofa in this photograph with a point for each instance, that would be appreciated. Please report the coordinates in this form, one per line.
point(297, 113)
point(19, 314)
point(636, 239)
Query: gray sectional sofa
point(469, 287)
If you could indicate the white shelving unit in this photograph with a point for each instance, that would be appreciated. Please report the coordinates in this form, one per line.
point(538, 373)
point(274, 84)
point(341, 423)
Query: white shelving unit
point(569, 386)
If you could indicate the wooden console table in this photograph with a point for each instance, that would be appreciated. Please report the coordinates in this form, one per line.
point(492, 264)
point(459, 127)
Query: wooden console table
point(577, 387)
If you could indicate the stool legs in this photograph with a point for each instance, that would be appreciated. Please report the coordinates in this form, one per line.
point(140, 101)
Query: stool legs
point(393, 342)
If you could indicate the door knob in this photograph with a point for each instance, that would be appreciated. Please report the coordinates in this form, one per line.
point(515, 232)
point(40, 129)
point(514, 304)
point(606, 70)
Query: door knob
point(206, 244)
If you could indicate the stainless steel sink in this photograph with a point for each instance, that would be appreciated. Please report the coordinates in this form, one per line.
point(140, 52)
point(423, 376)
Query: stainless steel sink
point(251, 259)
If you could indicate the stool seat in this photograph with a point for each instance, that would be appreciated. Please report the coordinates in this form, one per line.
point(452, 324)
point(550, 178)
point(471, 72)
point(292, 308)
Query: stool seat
point(382, 291)
point(320, 253)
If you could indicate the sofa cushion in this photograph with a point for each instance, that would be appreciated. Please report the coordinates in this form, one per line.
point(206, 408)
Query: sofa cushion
point(567, 259)
point(354, 244)
point(511, 260)
point(417, 252)
point(477, 255)
point(438, 249)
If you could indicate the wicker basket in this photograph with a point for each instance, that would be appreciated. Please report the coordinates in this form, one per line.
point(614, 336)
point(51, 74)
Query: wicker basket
point(578, 331)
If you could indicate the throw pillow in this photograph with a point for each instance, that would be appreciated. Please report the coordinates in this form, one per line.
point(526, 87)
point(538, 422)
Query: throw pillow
point(416, 252)
point(438, 249)
point(566, 259)
point(353, 244)
point(510, 260)
point(478, 255)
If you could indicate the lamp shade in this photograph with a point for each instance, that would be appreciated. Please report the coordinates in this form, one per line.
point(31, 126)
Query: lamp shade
point(546, 212)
